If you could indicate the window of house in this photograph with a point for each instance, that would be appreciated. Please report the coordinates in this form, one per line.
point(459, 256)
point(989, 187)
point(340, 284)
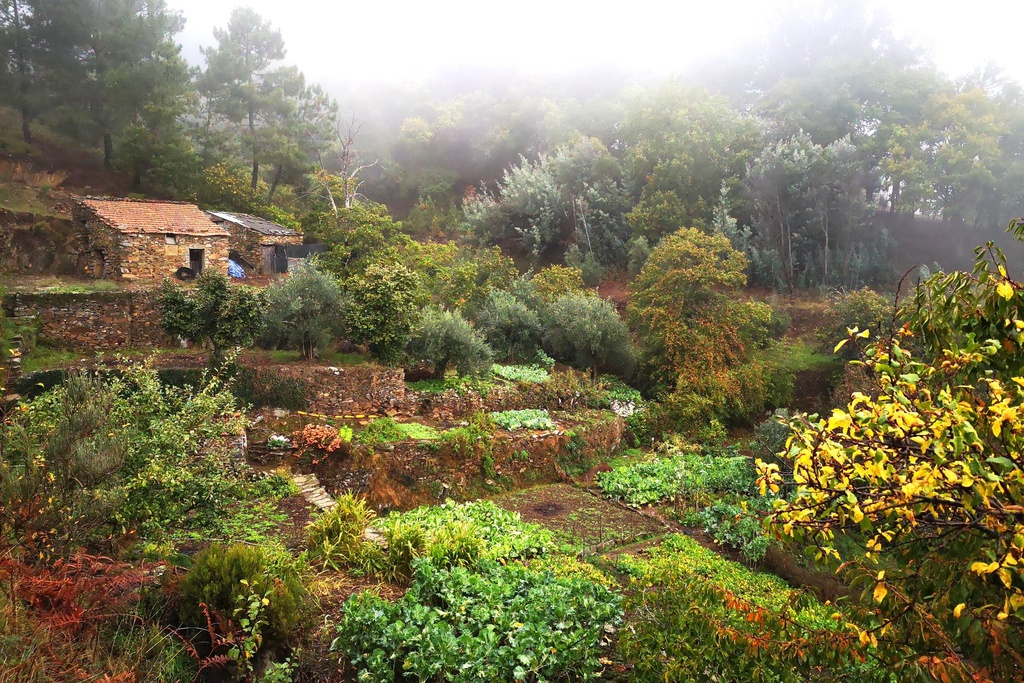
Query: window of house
point(171, 238)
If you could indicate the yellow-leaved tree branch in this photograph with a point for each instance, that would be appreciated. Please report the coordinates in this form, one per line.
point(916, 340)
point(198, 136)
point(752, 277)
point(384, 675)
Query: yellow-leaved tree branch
point(916, 494)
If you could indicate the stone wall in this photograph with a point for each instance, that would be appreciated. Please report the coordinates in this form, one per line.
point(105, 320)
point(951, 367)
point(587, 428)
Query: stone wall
point(99, 321)
point(149, 257)
point(349, 390)
point(410, 473)
point(459, 404)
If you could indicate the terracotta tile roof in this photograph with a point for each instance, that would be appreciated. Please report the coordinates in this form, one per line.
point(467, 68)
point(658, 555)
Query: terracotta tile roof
point(260, 225)
point(148, 216)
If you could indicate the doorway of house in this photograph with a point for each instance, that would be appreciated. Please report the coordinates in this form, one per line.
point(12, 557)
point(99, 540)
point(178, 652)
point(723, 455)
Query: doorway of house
point(195, 260)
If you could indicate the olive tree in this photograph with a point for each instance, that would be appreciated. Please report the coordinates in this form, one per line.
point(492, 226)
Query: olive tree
point(511, 327)
point(442, 338)
point(306, 310)
point(586, 332)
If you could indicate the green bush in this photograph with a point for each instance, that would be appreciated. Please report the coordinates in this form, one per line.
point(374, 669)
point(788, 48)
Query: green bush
point(617, 391)
point(531, 418)
point(639, 252)
point(305, 311)
point(590, 268)
point(385, 303)
point(569, 390)
point(770, 436)
point(406, 542)
point(381, 430)
point(462, 441)
point(503, 533)
point(762, 324)
point(737, 525)
point(738, 395)
point(511, 327)
point(700, 617)
point(494, 624)
point(586, 332)
point(555, 281)
point(864, 309)
point(103, 453)
point(335, 537)
point(444, 338)
point(450, 535)
point(215, 311)
point(456, 544)
point(215, 580)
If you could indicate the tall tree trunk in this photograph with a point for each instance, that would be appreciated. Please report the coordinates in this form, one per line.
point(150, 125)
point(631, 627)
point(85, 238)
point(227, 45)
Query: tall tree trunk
point(785, 245)
point(277, 180)
point(826, 252)
point(252, 138)
point(108, 150)
point(23, 79)
point(894, 198)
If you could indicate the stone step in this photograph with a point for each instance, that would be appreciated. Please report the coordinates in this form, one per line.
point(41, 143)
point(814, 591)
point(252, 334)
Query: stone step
point(315, 494)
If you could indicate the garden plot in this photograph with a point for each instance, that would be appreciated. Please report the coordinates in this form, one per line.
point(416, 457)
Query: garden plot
point(579, 519)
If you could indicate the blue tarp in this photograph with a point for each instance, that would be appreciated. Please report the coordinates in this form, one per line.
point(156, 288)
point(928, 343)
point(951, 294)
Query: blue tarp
point(235, 270)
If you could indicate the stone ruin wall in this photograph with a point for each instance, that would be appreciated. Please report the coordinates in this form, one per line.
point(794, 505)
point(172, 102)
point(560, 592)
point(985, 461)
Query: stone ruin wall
point(99, 321)
point(362, 389)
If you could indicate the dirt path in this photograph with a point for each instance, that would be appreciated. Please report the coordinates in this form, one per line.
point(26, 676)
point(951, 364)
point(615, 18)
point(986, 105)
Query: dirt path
point(579, 518)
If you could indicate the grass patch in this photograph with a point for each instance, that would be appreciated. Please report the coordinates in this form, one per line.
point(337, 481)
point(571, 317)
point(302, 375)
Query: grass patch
point(335, 358)
point(680, 558)
point(24, 199)
point(256, 520)
point(420, 432)
point(12, 141)
point(630, 456)
point(578, 521)
point(57, 285)
point(460, 384)
point(687, 596)
point(386, 430)
point(797, 356)
point(44, 358)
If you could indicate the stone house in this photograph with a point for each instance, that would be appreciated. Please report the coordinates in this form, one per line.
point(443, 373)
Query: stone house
point(261, 244)
point(139, 239)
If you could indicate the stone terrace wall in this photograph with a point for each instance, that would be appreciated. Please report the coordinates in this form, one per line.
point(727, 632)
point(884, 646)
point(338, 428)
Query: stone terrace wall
point(460, 404)
point(410, 473)
point(344, 391)
point(99, 321)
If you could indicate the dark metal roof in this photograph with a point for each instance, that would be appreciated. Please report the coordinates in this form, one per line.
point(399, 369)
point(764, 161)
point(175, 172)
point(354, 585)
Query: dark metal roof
point(260, 225)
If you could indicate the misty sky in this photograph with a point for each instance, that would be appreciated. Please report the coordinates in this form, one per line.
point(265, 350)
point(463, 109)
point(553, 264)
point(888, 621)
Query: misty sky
point(337, 42)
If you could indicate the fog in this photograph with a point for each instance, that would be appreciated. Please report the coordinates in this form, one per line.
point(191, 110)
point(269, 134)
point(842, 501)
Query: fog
point(389, 41)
